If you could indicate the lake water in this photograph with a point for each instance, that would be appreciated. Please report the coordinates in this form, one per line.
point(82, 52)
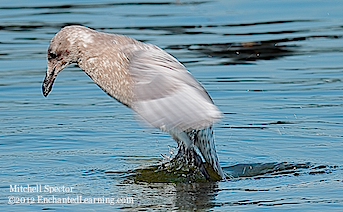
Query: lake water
point(274, 68)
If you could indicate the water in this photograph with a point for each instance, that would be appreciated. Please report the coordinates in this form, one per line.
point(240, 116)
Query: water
point(273, 68)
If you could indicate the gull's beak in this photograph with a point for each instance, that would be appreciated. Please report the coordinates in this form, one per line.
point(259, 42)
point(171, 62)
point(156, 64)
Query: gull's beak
point(51, 74)
point(48, 81)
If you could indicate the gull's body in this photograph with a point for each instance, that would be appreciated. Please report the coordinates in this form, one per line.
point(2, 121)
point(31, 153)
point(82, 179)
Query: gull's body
point(149, 81)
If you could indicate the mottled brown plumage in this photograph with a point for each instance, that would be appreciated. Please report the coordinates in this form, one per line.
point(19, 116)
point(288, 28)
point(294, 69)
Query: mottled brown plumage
point(148, 80)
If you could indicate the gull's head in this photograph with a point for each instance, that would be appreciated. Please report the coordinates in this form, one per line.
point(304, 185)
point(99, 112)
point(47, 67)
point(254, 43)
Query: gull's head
point(63, 50)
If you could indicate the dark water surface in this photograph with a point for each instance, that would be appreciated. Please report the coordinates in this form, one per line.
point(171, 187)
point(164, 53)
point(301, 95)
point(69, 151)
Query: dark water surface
point(274, 68)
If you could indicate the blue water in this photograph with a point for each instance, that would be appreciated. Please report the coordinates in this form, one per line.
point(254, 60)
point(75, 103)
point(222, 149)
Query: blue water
point(274, 69)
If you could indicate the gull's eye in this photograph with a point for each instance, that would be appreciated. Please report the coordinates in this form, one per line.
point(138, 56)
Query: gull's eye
point(52, 55)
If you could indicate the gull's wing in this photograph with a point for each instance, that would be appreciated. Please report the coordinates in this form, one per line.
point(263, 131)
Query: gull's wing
point(166, 95)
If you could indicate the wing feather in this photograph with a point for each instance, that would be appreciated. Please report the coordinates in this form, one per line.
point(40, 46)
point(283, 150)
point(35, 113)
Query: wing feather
point(167, 95)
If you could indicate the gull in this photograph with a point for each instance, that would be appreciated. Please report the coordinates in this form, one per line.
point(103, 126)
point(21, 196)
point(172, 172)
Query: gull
point(148, 80)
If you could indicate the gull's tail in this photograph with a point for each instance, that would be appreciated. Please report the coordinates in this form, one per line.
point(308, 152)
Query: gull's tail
point(198, 147)
point(204, 142)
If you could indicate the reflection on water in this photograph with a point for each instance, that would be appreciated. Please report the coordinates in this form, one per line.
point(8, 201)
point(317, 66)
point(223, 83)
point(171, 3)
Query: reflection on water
point(244, 53)
point(180, 196)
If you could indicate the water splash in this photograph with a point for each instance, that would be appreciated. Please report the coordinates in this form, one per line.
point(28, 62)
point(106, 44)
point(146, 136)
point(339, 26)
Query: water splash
point(170, 156)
